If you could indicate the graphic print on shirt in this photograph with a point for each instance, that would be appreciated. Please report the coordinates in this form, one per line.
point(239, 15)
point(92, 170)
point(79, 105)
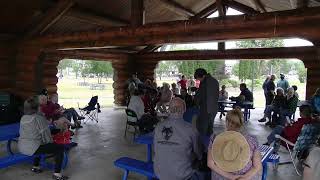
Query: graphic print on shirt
point(167, 133)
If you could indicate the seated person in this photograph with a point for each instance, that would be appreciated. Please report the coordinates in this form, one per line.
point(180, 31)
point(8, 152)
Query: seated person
point(174, 89)
point(35, 138)
point(245, 96)
point(312, 165)
point(68, 113)
point(222, 145)
point(289, 107)
point(165, 97)
point(315, 101)
point(223, 96)
point(292, 130)
point(295, 88)
point(136, 104)
point(176, 145)
point(186, 97)
point(145, 121)
point(275, 106)
point(50, 110)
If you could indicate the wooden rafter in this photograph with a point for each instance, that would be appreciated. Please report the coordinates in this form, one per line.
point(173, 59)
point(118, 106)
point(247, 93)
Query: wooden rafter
point(252, 53)
point(293, 23)
point(302, 3)
point(94, 18)
point(240, 7)
point(149, 48)
point(206, 11)
point(177, 8)
point(221, 8)
point(137, 13)
point(51, 16)
point(259, 5)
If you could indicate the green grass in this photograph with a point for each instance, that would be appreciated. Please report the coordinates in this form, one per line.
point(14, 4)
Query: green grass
point(70, 94)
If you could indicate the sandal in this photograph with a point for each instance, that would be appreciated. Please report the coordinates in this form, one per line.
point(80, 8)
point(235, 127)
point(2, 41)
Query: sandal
point(59, 177)
point(36, 170)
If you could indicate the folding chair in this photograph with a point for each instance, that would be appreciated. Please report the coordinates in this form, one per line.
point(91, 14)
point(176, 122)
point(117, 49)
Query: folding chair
point(131, 113)
point(91, 111)
point(308, 137)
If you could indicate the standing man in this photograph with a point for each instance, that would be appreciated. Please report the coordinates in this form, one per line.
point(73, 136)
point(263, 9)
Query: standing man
point(270, 90)
point(283, 83)
point(207, 99)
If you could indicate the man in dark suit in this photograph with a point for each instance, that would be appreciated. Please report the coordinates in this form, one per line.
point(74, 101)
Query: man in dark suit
point(207, 99)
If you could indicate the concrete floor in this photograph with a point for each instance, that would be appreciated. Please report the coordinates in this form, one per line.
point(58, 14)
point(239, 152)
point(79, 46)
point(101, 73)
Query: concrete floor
point(102, 143)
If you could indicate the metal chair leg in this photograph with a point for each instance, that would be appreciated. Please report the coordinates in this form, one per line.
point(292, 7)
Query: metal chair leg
point(125, 176)
point(292, 159)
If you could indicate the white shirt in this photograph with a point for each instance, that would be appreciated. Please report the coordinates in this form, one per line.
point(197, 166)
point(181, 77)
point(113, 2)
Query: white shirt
point(136, 104)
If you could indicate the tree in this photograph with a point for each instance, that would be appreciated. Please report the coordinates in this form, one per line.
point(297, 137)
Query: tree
point(64, 64)
point(256, 68)
point(100, 69)
point(301, 71)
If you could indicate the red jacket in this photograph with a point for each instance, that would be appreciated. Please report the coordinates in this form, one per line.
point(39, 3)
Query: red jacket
point(50, 109)
point(292, 132)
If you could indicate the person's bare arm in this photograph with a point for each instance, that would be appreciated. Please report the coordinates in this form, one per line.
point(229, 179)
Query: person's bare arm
point(256, 166)
point(211, 164)
point(307, 171)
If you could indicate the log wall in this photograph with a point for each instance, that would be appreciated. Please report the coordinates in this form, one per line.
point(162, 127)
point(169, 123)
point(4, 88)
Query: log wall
point(7, 62)
point(313, 75)
point(26, 71)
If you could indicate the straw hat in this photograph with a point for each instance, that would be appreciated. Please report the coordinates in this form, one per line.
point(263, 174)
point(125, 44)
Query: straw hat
point(230, 151)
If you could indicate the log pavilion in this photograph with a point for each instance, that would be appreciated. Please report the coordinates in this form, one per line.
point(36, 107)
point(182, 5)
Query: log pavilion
point(36, 34)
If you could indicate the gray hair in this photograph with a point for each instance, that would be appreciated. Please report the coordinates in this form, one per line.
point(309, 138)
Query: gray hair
point(279, 89)
point(177, 106)
point(31, 105)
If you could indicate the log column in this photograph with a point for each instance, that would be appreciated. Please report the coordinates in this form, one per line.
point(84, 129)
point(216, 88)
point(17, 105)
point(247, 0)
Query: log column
point(146, 69)
point(313, 74)
point(122, 73)
point(49, 72)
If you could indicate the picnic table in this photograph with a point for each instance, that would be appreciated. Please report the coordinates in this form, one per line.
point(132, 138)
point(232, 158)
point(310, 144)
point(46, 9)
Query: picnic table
point(265, 151)
point(244, 105)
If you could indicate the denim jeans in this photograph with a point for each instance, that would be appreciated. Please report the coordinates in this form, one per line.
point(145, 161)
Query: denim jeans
point(277, 130)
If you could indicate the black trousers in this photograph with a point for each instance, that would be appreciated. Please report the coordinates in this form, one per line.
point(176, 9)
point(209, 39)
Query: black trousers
point(56, 150)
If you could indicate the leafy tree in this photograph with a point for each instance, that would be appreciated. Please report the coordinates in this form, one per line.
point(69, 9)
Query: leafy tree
point(256, 68)
point(100, 69)
point(64, 64)
point(301, 71)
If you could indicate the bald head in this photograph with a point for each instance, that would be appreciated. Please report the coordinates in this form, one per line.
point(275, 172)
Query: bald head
point(177, 106)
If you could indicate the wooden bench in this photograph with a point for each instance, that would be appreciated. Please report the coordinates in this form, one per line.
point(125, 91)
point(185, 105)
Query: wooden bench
point(137, 166)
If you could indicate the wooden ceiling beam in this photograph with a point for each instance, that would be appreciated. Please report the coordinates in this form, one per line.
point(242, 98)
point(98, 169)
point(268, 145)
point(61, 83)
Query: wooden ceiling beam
point(302, 3)
point(177, 8)
point(51, 17)
point(293, 23)
point(259, 5)
point(137, 13)
point(252, 53)
point(240, 7)
point(221, 8)
point(87, 54)
point(93, 18)
point(206, 11)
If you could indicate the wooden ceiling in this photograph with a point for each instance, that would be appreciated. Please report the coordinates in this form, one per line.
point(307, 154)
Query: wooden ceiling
point(33, 18)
